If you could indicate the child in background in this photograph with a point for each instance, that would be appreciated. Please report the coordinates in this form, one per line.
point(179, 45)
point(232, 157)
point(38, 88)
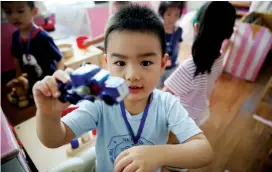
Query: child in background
point(34, 50)
point(194, 80)
point(171, 11)
point(135, 51)
point(117, 5)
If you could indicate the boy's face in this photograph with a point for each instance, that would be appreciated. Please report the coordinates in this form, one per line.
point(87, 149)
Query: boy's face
point(137, 58)
point(19, 14)
point(171, 16)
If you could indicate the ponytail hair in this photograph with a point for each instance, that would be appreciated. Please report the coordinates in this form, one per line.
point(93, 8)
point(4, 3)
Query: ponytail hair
point(211, 33)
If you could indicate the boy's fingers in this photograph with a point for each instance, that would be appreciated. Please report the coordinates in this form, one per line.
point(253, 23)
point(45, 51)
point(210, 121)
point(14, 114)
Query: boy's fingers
point(52, 85)
point(62, 76)
point(120, 156)
point(122, 163)
point(40, 86)
point(131, 167)
point(69, 70)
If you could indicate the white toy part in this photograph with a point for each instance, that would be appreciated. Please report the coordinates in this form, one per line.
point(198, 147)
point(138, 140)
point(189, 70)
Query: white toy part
point(85, 162)
point(101, 76)
point(123, 91)
point(84, 69)
point(114, 82)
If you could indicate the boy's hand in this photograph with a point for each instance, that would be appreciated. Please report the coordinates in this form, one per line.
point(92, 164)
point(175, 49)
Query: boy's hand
point(46, 93)
point(138, 158)
point(169, 63)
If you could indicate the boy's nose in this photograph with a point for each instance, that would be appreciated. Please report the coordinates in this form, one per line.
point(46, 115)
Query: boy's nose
point(133, 74)
point(15, 17)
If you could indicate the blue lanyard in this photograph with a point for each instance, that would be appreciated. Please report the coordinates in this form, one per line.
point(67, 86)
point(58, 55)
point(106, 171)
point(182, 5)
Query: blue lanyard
point(141, 127)
point(169, 47)
point(28, 41)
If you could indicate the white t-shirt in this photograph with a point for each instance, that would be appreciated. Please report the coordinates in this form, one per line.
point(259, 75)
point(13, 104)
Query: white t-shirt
point(165, 113)
point(194, 93)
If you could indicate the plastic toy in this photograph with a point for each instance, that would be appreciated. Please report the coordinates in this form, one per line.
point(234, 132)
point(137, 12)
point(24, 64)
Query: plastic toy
point(89, 82)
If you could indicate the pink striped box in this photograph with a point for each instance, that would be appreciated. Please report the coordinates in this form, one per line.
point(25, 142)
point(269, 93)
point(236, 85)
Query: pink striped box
point(247, 51)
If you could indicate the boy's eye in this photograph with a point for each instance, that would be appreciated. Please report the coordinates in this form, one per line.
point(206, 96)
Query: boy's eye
point(120, 63)
point(21, 11)
point(8, 12)
point(146, 63)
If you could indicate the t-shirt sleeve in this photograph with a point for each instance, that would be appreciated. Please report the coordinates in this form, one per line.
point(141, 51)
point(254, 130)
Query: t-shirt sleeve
point(180, 38)
point(52, 49)
point(179, 82)
point(180, 123)
point(84, 118)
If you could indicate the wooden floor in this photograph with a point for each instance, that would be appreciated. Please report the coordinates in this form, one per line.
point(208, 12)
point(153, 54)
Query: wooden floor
point(239, 142)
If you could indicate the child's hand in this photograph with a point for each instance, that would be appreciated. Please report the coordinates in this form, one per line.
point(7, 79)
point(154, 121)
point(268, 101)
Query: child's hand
point(46, 93)
point(138, 158)
point(169, 63)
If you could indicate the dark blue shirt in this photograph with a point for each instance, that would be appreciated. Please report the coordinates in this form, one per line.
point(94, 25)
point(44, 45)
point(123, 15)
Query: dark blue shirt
point(43, 54)
point(173, 40)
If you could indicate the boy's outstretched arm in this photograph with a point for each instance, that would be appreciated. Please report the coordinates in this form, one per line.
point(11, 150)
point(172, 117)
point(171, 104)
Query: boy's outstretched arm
point(96, 40)
point(51, 131)
point(60, 64)
point(196, 152)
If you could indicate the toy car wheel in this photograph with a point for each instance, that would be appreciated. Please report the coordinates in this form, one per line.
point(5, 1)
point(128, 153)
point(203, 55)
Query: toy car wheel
point(108, 99)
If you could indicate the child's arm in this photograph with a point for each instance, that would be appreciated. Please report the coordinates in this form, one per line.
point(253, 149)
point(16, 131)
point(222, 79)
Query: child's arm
point(96, 40)
point(196, 152)
point(60, 64)
point(50, 130)
point(18, 68)
point(179, 82)
point(193, 153)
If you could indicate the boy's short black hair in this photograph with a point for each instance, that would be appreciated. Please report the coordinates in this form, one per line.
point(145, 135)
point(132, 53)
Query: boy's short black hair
point(164, 5)
point(31, 4)
point(122, 2)
point(139, 19)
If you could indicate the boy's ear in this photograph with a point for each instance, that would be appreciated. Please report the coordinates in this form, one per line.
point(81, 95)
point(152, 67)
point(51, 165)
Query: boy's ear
point(105, 58)
point(35, 11)
point(164, 62)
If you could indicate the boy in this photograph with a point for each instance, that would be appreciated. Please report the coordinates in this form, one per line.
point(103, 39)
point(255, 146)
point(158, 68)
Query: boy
point(134, 46)
point(171, 11)
point(34, 50)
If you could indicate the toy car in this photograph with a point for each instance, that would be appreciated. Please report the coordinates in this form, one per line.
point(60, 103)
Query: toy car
point(89, 82)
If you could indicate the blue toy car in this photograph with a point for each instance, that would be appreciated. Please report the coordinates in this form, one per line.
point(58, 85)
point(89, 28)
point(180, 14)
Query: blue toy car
point(89, 82)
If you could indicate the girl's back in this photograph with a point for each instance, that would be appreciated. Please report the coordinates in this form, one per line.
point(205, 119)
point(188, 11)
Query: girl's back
point(194, 92)
point(194, 80)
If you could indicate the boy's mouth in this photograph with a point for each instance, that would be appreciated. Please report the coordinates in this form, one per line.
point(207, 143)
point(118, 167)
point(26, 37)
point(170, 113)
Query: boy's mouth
point(17, 23)
point(135, 89)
